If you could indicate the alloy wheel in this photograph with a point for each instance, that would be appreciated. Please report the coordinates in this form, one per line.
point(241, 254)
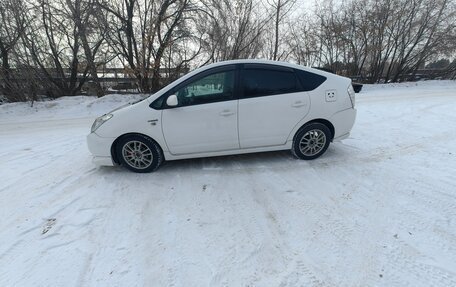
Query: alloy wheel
point(312, 142)
point(137, 155)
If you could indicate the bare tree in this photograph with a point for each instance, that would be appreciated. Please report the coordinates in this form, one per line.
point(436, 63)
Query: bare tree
point(425, 39)
point(58, 45)
point(141, 31)
point(13, 24)
point(383, 41)
point(303, 42)
point(232, 29)
point(280, 10)
point(328, 31)
point(85, 15)
point(54, 44)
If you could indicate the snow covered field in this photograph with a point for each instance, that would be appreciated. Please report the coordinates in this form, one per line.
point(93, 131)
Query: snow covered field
point(378, 209)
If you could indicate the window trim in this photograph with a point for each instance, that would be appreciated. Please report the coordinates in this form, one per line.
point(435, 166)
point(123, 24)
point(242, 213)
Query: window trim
point(267, 67)
point(261, 66)
point(215, 70)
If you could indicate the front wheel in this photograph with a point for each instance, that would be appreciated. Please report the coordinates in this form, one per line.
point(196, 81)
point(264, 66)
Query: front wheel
point(311, 141)
point(139, 153)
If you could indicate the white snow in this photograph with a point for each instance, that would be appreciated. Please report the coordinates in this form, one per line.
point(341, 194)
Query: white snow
point(378, 209)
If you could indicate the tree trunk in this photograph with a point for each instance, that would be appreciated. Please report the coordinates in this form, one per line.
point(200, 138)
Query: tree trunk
point(276, 40)
point(76, 11)
point(5, 72)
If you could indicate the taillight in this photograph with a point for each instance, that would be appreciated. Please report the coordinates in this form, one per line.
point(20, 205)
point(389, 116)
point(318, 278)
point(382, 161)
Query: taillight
point(351, 93)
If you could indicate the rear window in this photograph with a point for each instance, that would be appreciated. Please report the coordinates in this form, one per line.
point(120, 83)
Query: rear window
point(259, 82)
point(309, 81)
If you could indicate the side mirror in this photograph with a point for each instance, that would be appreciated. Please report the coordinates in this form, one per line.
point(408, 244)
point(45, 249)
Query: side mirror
point(171, 101)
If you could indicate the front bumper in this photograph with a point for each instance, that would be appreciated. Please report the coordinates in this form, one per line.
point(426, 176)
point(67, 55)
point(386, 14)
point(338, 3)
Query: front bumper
point(100, 148)
point(103, 161)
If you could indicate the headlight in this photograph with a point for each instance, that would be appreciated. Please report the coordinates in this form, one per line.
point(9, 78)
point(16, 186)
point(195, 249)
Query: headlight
point(99, 121)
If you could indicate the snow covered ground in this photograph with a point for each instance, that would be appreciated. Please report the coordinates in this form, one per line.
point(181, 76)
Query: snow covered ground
point(378, 209)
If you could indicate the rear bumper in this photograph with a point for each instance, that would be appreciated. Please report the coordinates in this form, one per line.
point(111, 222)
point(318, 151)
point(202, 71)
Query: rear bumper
point(342, 137)
point(343, 122)
point(100, 148)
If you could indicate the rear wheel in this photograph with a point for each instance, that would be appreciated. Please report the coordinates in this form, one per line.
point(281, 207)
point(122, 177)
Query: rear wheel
point(311, 141)
point(139, 153)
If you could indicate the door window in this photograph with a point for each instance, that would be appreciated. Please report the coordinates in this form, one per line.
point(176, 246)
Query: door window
point(212, 88)
point(265, 82)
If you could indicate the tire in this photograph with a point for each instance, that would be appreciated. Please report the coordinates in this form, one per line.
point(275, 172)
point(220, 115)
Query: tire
point(139, 153)
point(311, 141)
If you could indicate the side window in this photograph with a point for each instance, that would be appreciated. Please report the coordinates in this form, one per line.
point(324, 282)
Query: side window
point(212, 88)
point(259, 82)
point(310, 81)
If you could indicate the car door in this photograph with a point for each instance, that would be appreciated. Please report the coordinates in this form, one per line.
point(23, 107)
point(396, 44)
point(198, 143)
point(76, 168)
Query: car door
point(272, 103)
point(205, 119)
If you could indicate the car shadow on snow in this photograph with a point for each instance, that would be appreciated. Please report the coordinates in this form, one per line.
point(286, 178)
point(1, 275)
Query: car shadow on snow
point(336, 154)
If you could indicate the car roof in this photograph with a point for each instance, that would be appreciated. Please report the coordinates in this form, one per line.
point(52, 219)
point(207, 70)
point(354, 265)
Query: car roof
point(263, 61)
point(253, 61)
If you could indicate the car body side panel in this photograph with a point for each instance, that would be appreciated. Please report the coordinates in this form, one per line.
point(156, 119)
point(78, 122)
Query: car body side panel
point(169, 156)
point(323, 109)
point(201, 128)
point(268, 120)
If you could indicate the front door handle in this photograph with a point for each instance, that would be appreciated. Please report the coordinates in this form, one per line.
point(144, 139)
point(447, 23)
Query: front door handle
point(226, 113)
point(298, 104)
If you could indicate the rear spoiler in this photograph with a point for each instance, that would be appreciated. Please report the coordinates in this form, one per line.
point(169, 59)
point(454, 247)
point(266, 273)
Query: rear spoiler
point(357, 87)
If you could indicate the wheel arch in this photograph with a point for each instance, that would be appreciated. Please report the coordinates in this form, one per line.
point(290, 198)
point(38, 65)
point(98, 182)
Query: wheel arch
point(116, 141)
point(321, 121)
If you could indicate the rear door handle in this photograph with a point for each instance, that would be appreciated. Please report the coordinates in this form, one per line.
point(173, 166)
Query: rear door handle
point(226, 113)
point(298, 104)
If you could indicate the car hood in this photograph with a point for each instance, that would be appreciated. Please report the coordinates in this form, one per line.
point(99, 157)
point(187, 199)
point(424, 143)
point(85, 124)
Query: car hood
point(127, 105)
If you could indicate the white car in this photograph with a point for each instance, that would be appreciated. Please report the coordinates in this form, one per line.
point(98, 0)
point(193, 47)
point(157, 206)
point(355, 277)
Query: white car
point(232, 107)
